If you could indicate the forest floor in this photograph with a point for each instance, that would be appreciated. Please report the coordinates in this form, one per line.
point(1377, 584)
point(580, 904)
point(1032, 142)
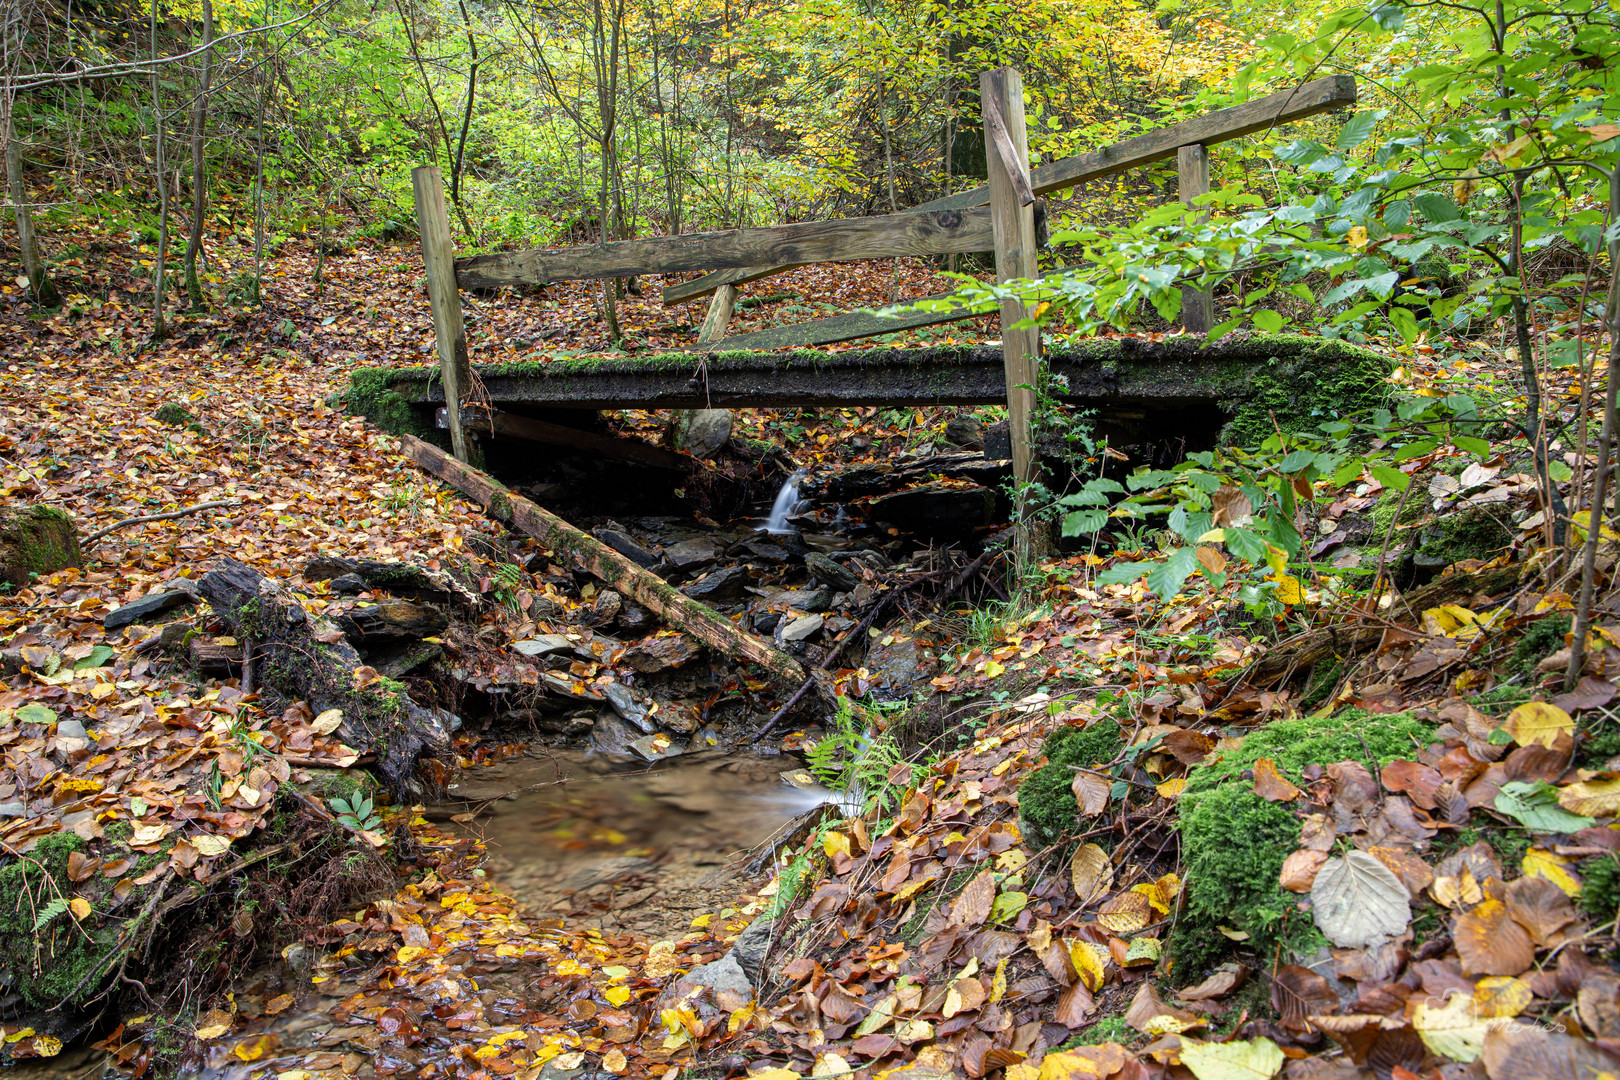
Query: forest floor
point(1124, 857)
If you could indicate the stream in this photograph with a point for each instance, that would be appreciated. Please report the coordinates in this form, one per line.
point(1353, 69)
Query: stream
point(641, 851)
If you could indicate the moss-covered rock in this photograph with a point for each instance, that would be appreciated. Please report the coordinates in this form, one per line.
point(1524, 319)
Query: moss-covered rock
point(46, 955)
point(1233, 842)
point(34, 541)
point(1047, 808)
point(178, 416)
point(1304, 383)
point(1470, 533)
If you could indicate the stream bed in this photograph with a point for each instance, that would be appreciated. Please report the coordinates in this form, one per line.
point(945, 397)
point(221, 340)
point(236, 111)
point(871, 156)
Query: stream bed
point(640, 851)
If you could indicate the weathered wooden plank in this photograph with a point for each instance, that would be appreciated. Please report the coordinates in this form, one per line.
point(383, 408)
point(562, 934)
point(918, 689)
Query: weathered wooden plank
point(719, 316)
point(1192, 174)
point(885, 236)
point(1310, 99)
point(449, 333)
point(584, 552)
point(999, 136)
point(848, 327)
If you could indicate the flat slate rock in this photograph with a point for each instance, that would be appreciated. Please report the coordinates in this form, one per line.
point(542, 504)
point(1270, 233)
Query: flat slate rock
point(693, 554)
point(625, 545)
point(722, 586)
point(802, 629)
point(829, 573)
point(146, 607)
point(542, 645)
point(655, 654)
point(618, 696)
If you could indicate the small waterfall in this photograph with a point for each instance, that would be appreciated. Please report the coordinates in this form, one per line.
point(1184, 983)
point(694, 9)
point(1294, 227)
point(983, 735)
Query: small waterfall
point(787, 501)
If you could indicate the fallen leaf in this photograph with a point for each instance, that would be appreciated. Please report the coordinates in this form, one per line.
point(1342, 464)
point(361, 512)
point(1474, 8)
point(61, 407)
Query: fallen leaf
point(1490, 942)
point(1091, 873)
point(1299, 870)
point(1090, 792)
point(1271, 785)
point(1538, 723)
point(1357, 902)
point(1455, 1030)
point(973, 906)
point(1255, 1059)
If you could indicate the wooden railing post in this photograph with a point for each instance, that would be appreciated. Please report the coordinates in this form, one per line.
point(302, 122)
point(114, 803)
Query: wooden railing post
point(1002, 95)
point(719, 316)
point(438, 256)
point(1192, 172)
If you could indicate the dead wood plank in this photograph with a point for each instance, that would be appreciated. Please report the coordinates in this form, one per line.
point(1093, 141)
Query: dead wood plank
point(1192, 175)
point(884, 236)
point(585, 552)
point(1222, 125)
point(449, 333)
point(847, 327)
point(512, 426)
point(1007, 147)
point(719, 316)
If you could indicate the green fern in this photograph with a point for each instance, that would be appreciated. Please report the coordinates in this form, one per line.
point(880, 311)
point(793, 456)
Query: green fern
point(50, 911)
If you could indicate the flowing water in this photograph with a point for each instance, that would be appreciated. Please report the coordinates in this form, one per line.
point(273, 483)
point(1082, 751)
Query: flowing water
point(787, 501)
point(642, 851)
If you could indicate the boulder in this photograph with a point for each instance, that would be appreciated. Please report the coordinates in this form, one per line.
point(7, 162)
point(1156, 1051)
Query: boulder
point(702, 432)
point(752, 945)
point(145, 608)
point(802, 629)
point(966, 432)
point(618, 696)
point(605, 608)
point(694, 554)
point(829, 573)
point(36, 540)
point(610, 735)
point(899, 666)
point(652, 655)
point(723, 974)
point(721, 587)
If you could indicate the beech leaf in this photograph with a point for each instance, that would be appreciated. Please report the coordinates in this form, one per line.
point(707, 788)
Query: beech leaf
point(1357, 902)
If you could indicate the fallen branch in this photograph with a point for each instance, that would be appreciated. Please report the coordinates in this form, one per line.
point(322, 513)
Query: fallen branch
point(585, 552)
point(115, 526)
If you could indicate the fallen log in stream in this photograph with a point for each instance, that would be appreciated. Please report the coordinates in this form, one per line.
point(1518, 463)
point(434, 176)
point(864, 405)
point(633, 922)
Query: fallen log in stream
point(585, 552)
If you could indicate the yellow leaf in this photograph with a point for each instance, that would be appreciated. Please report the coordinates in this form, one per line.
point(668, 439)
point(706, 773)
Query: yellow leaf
point(47, 1046)
point(998, 981)
point(1539, 862)
point(407, 953)
point(1171, 789)
point(1090, 960)
point(1290, 591)
point(213, 1024)
point(80, 907)
point(1091, 872)
point(1593, 798)
point(993, 669)
point(834, 843)
point(1358, 236)
point(1455, 1031)
point(1502, 996)
point(254, 1049)
point(617, 995)
point(614, 1061)
point(1257, 1059)
point(1539, 723)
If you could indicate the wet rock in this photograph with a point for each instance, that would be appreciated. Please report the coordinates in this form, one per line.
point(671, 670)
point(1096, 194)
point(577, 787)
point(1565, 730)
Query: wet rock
point(936, 509)
point(802, 629)
point(408, 581)
point(652, 655)
point(635, 618)
point(391, 620)
point(605, 608)
point(767, 622)
point(16, 808)
point(706, 738)
point(409, 659)
point(175, 633)
point(725, 586)
point(36, 540)
point(763, 550)
point(829, 573)
point(875, 561)
point(657, 747)
point(900, 665)
point(618, 695)
point(610, 735)
point(680, 717)
point(702, 432)
point(693, 555)
point(966, 432)
point(752, 945)
point(810, 599)
point(71, 729)
point(622, 542)
point(543, 645)
point(145, 608)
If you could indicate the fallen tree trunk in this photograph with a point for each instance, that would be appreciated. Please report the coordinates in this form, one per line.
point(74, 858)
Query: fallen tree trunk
point(306, 657)
point(585, 552)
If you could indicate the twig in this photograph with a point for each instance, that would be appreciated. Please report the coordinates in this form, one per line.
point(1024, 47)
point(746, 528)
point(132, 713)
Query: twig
point(115, 526)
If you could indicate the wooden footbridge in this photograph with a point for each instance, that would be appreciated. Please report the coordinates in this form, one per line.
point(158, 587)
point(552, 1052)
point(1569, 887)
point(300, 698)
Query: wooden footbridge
point(1006, 216)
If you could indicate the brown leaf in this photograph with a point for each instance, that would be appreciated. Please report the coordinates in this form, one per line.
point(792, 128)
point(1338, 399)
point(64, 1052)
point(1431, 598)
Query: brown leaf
point(1229, 506)
point(1414, 873)
point(1599, 1005)
point(1271, 785)
point(1533, 1052)
point(1589, 693)
point(1299, 869)
point(1074, 1006)
point(1539, 906)
point(1298, 992)
point(973, 906)
point(1188, 747)
point(1417, 782)
point(80, 866)
point(1126, 913)
point(1091, 873)
point(1146, 1006)
point(1090, 792)
point(1222, 981)
point(1491, 943)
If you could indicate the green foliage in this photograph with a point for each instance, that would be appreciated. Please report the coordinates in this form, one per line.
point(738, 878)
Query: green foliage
point(1047, 808)
point(1600, 889)
point(1541, 639)
point(1348, 735)
point(856, 758)
point(47, 955)
point(356, 812)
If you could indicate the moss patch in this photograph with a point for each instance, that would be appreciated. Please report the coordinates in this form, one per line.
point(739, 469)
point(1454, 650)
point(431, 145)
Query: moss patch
point(1541, 639)
point(1047, 808)
point(1471, 533)
point(1233, 842)
point(371, 394)
point(1600, 889)
point(45, 954)
point(1305, 383)
point(178, 416)
point(34, 541)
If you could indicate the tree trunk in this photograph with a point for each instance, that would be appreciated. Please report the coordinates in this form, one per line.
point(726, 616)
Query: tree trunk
point(158, 327)
point(265, 83)
point(39, 282)
point(199, 163)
